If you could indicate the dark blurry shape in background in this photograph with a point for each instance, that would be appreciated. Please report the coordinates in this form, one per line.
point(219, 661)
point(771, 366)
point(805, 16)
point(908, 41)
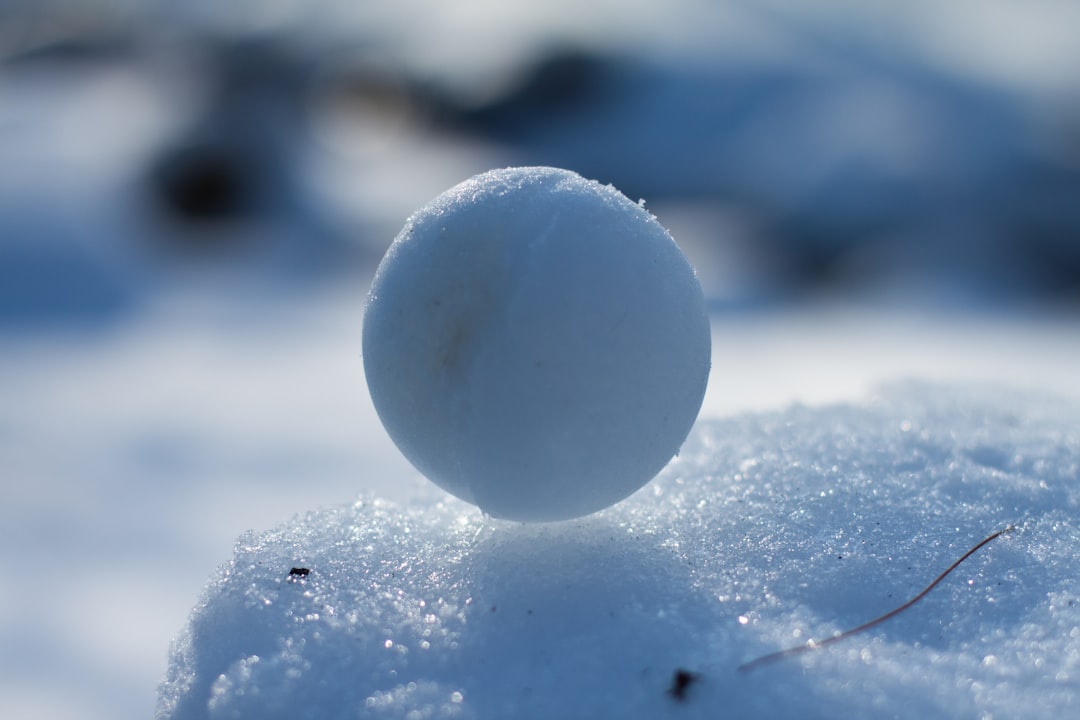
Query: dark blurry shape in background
point(233, 178)
point(860, 175)
point(146, 147)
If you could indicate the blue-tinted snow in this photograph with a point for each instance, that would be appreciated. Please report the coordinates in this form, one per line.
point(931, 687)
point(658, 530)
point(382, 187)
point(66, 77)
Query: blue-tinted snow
point(768, 530)
point(159, 396)
point(852, 152)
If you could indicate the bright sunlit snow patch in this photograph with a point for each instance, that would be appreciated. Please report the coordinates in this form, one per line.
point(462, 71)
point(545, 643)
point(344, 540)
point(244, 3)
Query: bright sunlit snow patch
point(767, 531)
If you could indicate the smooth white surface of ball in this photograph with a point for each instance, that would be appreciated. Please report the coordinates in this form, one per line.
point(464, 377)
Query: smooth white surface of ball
point(536, 343)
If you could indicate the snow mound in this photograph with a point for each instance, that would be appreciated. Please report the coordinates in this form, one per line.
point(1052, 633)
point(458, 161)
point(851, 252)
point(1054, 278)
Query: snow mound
point(766, 531)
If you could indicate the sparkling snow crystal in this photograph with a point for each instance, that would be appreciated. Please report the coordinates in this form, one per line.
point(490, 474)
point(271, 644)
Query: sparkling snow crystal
point(767, 531)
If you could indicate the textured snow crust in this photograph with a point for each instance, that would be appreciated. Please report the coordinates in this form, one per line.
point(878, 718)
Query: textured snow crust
point(768, 530)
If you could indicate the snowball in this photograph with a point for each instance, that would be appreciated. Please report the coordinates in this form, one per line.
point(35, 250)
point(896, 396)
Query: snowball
point(767, 531)
point(535, 343)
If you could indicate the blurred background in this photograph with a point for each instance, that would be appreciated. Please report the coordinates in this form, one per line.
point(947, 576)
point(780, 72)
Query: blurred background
point(194, 195)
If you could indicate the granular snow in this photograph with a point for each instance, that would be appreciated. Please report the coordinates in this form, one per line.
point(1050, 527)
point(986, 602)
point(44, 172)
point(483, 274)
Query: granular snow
point(767, 531)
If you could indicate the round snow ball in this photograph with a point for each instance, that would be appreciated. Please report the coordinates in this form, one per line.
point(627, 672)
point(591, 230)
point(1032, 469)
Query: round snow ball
point(535, 343)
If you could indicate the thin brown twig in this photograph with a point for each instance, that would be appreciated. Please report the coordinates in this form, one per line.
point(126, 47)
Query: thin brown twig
point(812, 645)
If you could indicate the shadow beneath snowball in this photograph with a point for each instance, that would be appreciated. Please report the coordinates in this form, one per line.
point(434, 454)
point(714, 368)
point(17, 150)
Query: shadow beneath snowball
point(586, 614)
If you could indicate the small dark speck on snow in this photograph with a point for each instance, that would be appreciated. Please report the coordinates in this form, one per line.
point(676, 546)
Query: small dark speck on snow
point(681, 682)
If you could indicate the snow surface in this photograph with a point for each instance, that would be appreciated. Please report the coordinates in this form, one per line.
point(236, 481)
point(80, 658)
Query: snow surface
point(769, 529)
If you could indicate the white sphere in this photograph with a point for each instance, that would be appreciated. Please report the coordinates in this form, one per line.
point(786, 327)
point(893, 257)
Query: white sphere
point(535, 343)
